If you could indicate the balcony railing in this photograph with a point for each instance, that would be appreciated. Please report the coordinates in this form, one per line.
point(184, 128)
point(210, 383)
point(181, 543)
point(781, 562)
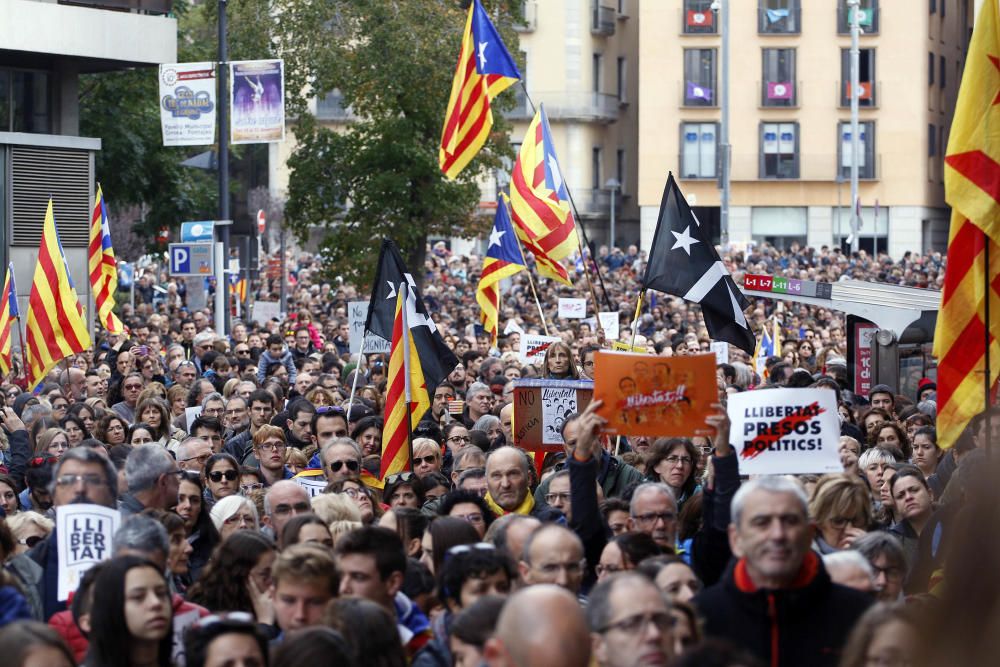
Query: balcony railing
point(780, 94)
point(596, 202)
point(529, 22)
point(602, 21)
point(697, 20)
point(868, 98)
point(567, 105)
point(143, 6)
point(869, 21)
point(779, 21)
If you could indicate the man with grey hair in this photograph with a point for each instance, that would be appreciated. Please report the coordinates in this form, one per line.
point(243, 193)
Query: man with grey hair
point(630, 622)
point(192, 453)
point(142, 536)
point(202, 343)
point(777, 601)
point(73, 383)
point(152, 477)
point(341, 458)
point(82, 475)
point(888, 560)
point(653, 511)
point(478, 401)
point(851, 569)
point(284, 499)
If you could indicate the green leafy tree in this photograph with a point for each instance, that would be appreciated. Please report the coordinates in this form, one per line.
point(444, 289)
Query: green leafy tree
point(378, 176)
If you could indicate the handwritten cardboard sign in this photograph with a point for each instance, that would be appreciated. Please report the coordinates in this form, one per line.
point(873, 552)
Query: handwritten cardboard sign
point(357, 313)
point(785, 431)
point(655, 396)
point(533, 346)
point(572, 309)
point(541, 408)
point(609, 322)
point(84, 535)
point(721, 351)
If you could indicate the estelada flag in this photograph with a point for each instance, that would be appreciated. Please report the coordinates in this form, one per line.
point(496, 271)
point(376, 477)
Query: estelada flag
point(436, 358)
point(655, 396)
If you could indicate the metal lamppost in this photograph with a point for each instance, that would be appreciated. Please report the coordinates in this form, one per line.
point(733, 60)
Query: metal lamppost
point(852, 8)
point(614, 186)
point(721, 8)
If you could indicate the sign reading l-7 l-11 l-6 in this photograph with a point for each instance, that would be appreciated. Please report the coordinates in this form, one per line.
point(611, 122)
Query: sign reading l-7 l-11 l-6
point(191, 259)
point(782, 285)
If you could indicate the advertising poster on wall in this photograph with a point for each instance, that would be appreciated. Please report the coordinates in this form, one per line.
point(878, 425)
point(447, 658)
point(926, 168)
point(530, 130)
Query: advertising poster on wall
point(187, 104)
point(257, 102)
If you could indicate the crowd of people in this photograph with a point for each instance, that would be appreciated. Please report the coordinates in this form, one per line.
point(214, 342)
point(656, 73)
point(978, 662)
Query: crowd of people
point(256, 531)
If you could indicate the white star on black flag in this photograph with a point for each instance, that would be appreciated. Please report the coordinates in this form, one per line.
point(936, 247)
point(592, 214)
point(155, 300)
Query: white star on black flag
point(683, 262)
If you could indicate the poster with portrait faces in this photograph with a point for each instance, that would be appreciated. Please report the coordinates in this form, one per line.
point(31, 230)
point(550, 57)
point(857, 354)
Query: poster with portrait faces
point(655, 396)
point(541, 408)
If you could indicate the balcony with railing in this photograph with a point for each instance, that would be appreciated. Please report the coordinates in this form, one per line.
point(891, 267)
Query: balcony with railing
point(868, 21)
point(529, 17)
point(602, 20)
point(567, 105)
point(780, 94)
point(139, 6)
point(781, 21)
point(867, 98)
point(594, 203)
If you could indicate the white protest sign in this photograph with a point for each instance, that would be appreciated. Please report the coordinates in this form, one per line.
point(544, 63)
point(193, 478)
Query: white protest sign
point(557, 404)
point(609, 322)
point(84, 535)
point(265, 311)
point(785, 431)
point(721, 350)
point(533, 346)
point(313, 484)
point(357, 313)
point(181, 623)
point(572, 309)
point(190, 414)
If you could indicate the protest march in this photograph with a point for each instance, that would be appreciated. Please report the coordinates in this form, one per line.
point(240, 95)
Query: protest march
point(542, 451)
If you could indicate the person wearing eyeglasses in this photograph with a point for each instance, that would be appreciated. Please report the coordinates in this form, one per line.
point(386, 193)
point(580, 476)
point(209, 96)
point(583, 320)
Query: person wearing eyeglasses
point(270, 448)
point(553, 554)
point(82, 475)
point(284, 500)
point(222, 476)
point(426, 457)
point(131, 387)
point(28, 528)
point(261, 411)
point(672, 461)
point(153, 480)
point(630, 622)
point(341, 460)
point(234, 513)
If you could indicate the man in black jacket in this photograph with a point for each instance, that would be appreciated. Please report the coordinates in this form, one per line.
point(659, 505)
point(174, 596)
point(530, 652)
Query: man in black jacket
point(777, 600)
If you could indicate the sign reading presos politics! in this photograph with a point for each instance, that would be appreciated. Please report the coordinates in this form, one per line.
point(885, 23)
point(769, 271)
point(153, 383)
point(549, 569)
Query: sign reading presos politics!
point(785, 431)
point(655, 396)
point(84, 532)
point(533, 346)
point(187, 104)
point(257, 102)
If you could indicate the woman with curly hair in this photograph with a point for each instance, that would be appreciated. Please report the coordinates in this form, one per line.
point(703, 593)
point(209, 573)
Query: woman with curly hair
point(238, 577)
point(110, 429)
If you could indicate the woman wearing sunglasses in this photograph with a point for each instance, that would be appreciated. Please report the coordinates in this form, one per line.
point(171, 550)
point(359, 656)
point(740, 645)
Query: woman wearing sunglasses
point(29, 528)
point(426, 457)
point(222, 477)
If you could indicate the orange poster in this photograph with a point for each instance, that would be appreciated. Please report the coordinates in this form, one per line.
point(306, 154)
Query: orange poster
point(655, 396)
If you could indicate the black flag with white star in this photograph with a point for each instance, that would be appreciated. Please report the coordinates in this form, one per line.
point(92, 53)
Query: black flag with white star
point(436, 358)
point(683, 262)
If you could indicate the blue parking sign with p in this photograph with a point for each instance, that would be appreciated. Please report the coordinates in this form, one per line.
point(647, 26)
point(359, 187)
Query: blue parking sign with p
point(191, 259)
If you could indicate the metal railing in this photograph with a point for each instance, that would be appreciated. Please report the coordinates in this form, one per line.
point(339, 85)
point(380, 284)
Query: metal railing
point(594, 202)
point(779, 21)
point(567, 105)
point(871, 18)
point(602, 20)
point(776, 95)
point(869, 94)
point(142, 6)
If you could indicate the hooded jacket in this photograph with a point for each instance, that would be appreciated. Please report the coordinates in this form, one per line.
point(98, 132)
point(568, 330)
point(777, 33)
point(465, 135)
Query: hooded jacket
point(806, 623)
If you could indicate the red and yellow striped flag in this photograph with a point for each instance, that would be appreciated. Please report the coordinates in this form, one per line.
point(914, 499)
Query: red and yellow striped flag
point(485, 69)
point(972, 188)
point(103, 267)
point(56, 326)
point(406, 377)
point(503, 260)
point(8, 313)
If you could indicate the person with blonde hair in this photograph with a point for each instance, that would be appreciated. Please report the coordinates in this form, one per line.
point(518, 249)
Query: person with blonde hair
point(28, 528)
point(426, 457)
point(334, 507)
point(841, 508)
point(52, 442)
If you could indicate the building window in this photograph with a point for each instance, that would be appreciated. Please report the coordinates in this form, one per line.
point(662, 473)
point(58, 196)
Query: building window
point(778, 78)
point(699, 150)
point(933, 4)
point(699, 17)
point(620, 170)
point(595, 167)
point(597, 61)
point(866, 77)
point(866, 151)
point(699, 78)
point(868, 17)
point(778, 16)
point(942, 79)
point(944, 5)
point(28, 101)
point(779, 150)
point(930, 69)
point(931, 140)
point(622, 87)
point(4, 101)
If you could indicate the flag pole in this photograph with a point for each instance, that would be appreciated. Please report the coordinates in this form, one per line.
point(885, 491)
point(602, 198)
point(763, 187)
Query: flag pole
point(24, 352)
point(407, 391)
point(635, 330)
point(583, 232)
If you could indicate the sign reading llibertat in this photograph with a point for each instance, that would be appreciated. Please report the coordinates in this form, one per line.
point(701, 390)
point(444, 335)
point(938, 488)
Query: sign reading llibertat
point(187, 104)
point(257, 101)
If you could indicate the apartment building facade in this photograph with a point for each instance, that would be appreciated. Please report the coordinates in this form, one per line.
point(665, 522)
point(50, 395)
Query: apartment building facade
point(790, 117)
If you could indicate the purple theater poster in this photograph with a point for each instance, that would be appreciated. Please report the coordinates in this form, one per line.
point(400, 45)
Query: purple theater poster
point(257, 101)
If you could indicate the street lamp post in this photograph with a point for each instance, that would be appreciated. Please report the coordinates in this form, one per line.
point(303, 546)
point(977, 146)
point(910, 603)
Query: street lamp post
point(854, 14)
point(721, 7)
point(613, 185)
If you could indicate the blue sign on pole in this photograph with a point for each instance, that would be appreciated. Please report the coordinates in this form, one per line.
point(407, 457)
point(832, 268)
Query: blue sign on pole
point(196, 232)
point(191, 259)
